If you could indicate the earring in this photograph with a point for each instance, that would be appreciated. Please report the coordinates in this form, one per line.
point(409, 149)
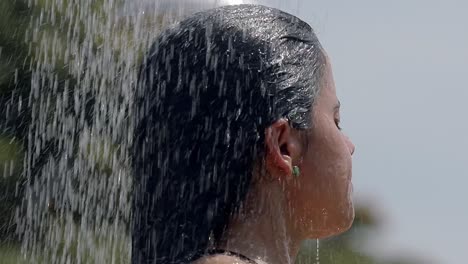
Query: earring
point(296, 171)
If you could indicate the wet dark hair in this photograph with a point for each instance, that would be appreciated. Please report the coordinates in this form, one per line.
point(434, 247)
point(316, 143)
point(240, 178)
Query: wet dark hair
point(208, 89)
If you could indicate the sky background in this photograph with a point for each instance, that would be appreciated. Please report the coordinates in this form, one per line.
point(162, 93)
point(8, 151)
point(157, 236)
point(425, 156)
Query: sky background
point(401, 70)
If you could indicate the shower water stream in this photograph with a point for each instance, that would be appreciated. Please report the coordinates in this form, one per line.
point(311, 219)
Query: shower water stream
point(84, 58)
point(317, 258)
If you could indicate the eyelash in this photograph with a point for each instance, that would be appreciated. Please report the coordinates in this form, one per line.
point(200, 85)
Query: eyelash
point(337, 122)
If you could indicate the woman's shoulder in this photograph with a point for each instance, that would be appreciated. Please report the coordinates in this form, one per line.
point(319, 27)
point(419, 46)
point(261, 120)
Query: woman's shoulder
point(219, 259)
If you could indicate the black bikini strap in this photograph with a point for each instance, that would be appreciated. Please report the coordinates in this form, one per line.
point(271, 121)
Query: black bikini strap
point(230, 253)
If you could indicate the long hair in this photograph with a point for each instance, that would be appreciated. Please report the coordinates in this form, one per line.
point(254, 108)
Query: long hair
point(208, 89)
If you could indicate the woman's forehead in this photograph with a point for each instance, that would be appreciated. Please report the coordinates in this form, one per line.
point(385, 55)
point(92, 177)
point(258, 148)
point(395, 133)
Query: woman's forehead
point(327, 95)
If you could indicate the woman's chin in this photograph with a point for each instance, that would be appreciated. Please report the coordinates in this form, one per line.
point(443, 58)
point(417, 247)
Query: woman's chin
point(342, 224)
point(348, 218)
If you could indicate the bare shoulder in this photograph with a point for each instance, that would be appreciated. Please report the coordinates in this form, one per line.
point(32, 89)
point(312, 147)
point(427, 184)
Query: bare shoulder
point(219, 259)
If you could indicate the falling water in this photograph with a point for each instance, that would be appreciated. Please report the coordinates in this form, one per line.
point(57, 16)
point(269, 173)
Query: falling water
point(84, 61)
point(76, 202)
point(317, 256)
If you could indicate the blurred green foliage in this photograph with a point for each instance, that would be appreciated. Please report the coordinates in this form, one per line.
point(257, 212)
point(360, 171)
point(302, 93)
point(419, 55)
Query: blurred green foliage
point(10, 167)
point(14, 85)
point(11, 255)
point(15, 76)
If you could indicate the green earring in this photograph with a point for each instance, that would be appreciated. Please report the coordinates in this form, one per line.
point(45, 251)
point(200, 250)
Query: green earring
point(296, 171)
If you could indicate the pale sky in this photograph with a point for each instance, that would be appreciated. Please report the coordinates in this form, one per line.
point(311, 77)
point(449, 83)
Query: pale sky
point(401, 69)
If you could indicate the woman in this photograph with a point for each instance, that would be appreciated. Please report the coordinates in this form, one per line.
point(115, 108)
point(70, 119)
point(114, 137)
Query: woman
point(238, 154)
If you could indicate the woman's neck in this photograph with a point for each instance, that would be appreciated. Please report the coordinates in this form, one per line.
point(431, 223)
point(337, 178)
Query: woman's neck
point(262, 231)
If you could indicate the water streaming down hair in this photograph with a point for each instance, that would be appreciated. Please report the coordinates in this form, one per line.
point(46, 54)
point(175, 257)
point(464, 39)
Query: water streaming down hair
point(207, 90)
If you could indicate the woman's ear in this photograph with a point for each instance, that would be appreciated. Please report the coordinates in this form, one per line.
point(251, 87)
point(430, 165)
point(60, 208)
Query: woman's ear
point(283, 148)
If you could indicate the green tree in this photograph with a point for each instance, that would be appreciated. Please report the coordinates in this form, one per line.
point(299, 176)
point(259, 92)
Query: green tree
point(14, 92)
